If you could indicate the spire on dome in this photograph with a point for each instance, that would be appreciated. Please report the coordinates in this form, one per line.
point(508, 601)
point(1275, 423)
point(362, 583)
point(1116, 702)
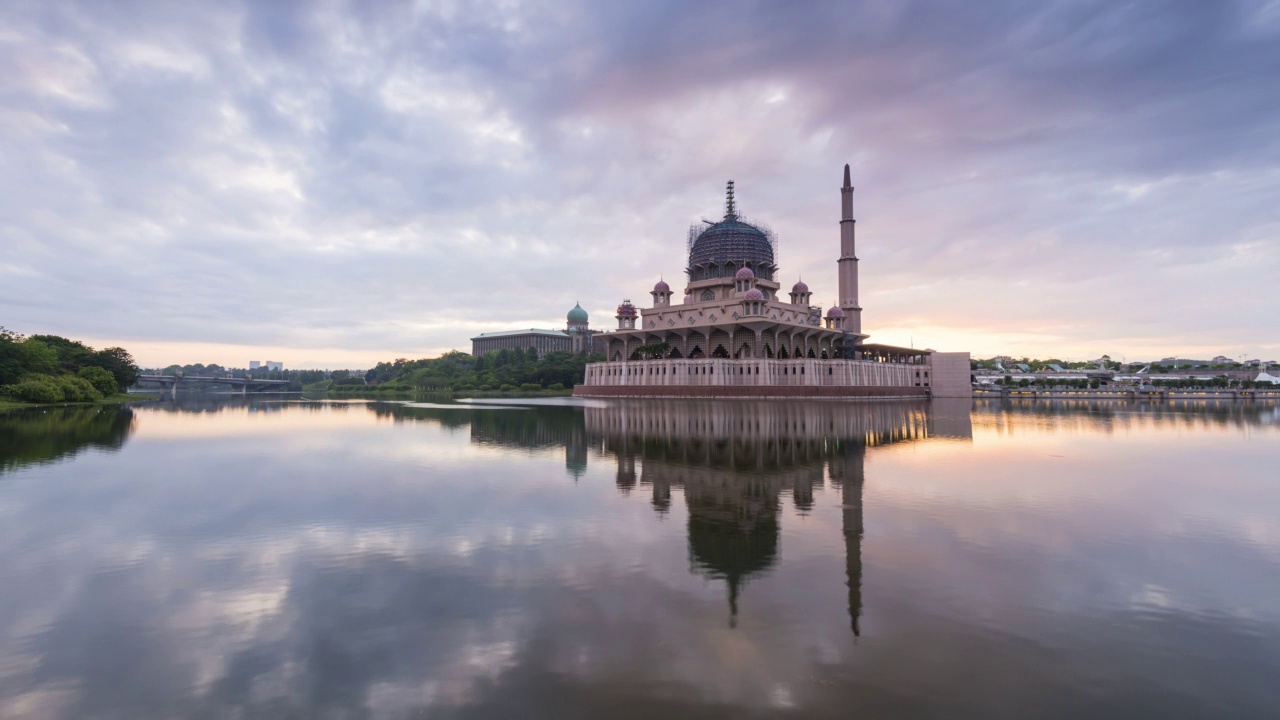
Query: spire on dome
point(730, 210)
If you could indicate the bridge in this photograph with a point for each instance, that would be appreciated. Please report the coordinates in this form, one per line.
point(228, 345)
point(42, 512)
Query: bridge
point(169, 383)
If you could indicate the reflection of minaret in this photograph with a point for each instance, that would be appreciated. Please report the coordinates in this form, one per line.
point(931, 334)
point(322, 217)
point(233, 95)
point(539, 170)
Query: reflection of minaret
point(661, 495)
point(575, 451)
point(847, 468)
point(626, 473)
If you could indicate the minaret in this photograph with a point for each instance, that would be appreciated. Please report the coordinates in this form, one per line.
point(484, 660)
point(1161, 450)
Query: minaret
point(848, 263)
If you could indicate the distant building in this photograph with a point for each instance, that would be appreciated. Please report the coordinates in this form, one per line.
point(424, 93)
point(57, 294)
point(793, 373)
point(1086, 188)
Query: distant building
point(254, 365)
point(273, 365)
point(1188, 362)
point(577, 337)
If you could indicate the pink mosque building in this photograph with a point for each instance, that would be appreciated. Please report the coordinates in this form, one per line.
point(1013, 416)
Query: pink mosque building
point(733, 335)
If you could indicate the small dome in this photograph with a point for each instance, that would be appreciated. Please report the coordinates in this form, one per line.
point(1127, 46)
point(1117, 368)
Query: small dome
point(753, 294)
point(626, 309)
point(662, 286)
point(745, 274)
point(577, 314)
point(800, 287)
point(835, 312)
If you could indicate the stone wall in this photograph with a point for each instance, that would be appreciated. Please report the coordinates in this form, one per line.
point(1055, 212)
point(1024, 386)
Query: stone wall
point(951, 375)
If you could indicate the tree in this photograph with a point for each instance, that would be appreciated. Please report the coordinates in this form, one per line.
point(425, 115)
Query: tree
point(10, 357)
point(72, 354)
point(38, 357)
point(118, 362)
point(101, 379)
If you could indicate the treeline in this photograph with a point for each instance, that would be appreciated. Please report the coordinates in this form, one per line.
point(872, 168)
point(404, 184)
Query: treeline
point(51, 369)
point(500, 370)
point(296, 378)
point(1094, 383)
point(1038, 365)
point(1218, 382)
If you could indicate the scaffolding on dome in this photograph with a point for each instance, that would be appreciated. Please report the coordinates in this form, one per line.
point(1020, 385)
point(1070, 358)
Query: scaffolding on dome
point(696, 230)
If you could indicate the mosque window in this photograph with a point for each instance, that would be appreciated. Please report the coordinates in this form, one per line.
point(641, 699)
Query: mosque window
point(707, 295)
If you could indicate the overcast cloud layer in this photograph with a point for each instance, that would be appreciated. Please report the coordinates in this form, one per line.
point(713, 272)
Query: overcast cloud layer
point(340, 183)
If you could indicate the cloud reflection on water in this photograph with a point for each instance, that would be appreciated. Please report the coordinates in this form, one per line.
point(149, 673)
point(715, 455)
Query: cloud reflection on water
point(654, 558)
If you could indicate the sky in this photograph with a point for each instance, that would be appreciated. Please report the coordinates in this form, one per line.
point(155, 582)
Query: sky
point(333, 184)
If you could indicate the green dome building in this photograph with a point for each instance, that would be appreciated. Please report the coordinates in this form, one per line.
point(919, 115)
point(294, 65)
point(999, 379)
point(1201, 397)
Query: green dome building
point(576, 337)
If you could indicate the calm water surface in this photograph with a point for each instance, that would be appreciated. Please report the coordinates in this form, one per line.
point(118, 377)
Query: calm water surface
point(656, 559)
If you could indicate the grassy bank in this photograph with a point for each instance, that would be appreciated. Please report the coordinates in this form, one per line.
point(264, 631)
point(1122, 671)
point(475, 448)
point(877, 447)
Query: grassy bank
point(10, 403)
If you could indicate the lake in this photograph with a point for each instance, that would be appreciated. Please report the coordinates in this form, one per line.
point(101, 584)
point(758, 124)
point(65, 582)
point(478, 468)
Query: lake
point(258, 558)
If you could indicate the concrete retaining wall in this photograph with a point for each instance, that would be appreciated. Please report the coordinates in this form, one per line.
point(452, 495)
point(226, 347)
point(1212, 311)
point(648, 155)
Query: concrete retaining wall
point(748, 391)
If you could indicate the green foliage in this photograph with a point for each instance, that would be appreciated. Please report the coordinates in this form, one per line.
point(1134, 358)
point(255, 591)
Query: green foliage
point(36, 388)
point(38, 357)
point(101, 379)
point(71, 355)
point(49, 368)
point(507, 387)
point(118, 362)
point(653, 351)
point(555, 386)
point(11, 367)
point(77, 389)
point(461, 371)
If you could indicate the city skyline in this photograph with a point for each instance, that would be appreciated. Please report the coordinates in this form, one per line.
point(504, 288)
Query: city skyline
point(340, 185)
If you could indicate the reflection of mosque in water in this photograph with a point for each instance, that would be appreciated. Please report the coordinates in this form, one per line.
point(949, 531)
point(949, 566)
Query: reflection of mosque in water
point(734, 461)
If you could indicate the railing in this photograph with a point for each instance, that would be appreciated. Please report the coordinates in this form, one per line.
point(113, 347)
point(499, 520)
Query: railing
point(721, 372)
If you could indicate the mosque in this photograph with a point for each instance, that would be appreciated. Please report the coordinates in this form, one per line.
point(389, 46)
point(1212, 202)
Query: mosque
point(732, 334)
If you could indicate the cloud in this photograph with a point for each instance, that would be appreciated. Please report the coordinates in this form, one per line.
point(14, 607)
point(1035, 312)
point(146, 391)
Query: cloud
point(390, 179)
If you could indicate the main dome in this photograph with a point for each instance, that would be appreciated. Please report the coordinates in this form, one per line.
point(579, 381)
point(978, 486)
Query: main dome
point(720, 249)
point(577, 314)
